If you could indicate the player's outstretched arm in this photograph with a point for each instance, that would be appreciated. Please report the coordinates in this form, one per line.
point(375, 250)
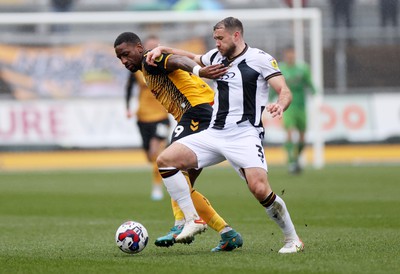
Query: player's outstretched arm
point(155, 53)
point(184, 63)
point(278, 83)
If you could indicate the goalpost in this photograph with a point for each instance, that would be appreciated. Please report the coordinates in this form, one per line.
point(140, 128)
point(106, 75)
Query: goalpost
point(309, 15)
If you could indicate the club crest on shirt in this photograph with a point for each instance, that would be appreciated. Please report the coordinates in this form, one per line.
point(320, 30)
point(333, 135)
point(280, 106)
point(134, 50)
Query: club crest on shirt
point(274, 64)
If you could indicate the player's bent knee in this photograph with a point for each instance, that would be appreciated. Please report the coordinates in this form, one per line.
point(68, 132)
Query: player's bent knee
point(162, 161)
point(258, 185)
point(169, 160)
point(259, 190)
point(178, 156)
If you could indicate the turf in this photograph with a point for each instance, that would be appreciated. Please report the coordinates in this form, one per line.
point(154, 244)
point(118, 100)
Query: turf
point(65, 222)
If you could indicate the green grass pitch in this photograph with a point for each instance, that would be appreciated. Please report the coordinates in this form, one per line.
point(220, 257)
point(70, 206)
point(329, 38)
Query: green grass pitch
point(65, 222)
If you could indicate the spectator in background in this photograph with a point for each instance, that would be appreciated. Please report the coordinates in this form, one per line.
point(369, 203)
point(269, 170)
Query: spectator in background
point(389, 10)
point(342, 11)
point(61, 6)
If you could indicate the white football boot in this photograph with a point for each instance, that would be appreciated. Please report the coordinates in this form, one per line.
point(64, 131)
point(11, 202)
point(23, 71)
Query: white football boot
point(191, 228)
point(292, 246)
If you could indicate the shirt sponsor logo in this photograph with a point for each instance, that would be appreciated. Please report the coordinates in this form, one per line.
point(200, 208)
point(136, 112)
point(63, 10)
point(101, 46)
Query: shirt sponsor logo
point(228, 75)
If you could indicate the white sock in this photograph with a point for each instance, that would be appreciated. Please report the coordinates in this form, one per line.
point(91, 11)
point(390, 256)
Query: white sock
point(278, 212)
point(179, 191)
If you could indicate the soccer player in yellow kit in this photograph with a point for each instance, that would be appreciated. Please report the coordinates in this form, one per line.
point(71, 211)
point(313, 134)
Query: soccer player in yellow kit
point(188, 98)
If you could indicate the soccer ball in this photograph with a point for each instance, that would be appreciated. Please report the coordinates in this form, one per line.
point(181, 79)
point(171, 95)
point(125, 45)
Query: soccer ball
point(131, 237)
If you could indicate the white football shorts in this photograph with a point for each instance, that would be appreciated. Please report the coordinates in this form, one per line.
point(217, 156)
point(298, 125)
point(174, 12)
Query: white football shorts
point(240, 145)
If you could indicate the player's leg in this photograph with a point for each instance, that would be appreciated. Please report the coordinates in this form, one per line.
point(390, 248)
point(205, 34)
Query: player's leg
point(154, 137)
point(179, 222)
point(299, 149)
point(182, 129)
point(230, 239)
point(248, 159)
point(169, 239)
point(192, 175)
point(302, 142)
point(202, 151)
point(290, 146)
point(173, 159)
point(195, 120)
point(301, 127)
point(155, 147)
point(205, 211)
point(206, 148)
point(147, 131)
point(289, 125)
point(202, 205)
point(257, 181)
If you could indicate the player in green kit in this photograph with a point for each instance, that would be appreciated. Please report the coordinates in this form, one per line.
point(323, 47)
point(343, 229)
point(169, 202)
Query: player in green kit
point(298, 78)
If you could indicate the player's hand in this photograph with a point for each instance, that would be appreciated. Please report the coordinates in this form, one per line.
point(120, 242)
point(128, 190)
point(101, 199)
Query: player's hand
point(276, 110)
point(152, 56)
point(129, 114)
point(213, 71)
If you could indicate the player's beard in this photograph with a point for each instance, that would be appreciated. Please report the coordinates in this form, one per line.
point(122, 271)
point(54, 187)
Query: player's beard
point(134, 68)
point(229, 51)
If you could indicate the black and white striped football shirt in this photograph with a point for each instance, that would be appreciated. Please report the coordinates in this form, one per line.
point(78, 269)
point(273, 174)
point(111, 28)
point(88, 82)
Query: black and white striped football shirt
point(241, 94)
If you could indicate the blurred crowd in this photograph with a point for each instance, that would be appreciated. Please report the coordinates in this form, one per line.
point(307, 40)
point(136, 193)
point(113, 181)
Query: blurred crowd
point(368, 27)
point(341, 12)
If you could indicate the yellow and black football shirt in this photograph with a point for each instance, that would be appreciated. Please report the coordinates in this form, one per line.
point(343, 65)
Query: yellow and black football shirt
point(177, 91)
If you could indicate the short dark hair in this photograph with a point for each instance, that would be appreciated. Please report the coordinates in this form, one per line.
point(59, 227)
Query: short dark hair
point(231, 24)
point(127, 37)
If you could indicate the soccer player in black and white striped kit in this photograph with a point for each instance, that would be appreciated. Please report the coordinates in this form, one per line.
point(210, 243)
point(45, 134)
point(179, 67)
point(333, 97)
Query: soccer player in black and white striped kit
point(236, 130)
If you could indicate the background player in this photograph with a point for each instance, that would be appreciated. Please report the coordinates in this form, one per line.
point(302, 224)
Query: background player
point(152, 120)
point(298, 78)
point(188, 98)
point(235, 131)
